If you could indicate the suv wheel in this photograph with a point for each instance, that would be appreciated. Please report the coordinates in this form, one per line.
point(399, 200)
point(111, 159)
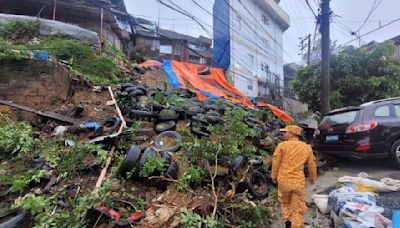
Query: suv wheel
point(395, 154)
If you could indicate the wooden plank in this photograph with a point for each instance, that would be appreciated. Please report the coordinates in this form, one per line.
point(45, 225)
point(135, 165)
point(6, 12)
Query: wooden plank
point(50, 115)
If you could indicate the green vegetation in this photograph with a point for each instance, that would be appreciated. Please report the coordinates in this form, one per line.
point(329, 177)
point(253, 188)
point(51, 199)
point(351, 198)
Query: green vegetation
point(359, 74)
point(76, 158)
point(188, 219)
point(151, 166)
point(98, 68)
point(228, 140)
point(192, 176)
point(15, 138)
point(19, 31)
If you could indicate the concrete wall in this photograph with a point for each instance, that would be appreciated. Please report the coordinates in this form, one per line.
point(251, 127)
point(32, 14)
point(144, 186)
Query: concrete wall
point(33, 83)
point(294, 106)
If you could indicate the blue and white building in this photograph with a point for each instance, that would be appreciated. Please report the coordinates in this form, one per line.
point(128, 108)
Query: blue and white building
point(248, 44)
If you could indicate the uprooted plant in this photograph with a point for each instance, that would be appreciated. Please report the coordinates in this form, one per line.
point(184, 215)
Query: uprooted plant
point(15, 138)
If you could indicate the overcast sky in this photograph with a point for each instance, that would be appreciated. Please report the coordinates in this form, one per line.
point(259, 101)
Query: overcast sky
point(349, 16)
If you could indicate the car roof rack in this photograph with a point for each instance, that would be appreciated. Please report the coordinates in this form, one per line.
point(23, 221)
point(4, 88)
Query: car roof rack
point(379, 101)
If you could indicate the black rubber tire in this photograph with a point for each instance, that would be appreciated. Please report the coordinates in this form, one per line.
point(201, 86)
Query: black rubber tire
point(164, 118)
point(165, 126)
point(166, 156)
point(199, 133)
point(213, 120)
point(155, 107)
point(173, 134)
point(138, 114)
point(167, 116)
point(142, 88)
point(15, 218)
point(137, 93)
point(130, 161)
point(129, 89)
point(172, 170)
point(113, 123)
point(126, 85)
point(253, 178)
point(180, 111)
point(209, 107)
point(395, 159)
point(213, 113)
point(237, 163)
point(149, 152)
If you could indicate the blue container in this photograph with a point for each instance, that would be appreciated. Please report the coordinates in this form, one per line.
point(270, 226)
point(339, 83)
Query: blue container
point(41, 55)
point(396, 219)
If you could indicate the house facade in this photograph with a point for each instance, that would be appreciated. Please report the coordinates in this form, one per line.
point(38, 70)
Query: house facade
point(158, 43)
point(248, 44)
point(108, 18)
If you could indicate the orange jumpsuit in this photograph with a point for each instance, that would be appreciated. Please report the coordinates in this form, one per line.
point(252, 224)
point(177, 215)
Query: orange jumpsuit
point(288, 170)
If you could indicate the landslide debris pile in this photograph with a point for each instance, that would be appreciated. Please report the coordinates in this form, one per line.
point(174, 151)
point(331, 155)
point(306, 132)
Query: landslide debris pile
point(180, 162)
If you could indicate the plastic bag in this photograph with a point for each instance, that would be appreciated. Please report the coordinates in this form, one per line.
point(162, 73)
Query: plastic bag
point(362, 183)
point(322, 203)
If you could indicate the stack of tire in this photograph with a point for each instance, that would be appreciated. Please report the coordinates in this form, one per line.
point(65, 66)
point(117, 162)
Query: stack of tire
point(135, 159)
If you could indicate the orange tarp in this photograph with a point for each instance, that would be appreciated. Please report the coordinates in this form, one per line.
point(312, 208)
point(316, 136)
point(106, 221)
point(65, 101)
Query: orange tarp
point(188, 72)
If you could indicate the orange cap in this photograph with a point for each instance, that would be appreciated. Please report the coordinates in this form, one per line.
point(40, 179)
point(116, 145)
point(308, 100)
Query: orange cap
point(293, 129)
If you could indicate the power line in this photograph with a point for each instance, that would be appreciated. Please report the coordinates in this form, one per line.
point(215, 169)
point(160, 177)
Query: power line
point(374, 30)
point(312, 10)
point(373, 8)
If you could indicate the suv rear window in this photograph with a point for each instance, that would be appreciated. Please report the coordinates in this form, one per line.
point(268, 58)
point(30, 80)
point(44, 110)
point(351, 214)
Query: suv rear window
point(340, 118)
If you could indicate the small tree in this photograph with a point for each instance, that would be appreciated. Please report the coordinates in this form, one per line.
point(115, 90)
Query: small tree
point(358, 75)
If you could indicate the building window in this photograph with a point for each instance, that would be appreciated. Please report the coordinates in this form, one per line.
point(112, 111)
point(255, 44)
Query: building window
point(239, 22)
point(177, 50)
point(265, 42)
point(249, 84)
point(265, 19)
point(251, 59)
point(155, 45)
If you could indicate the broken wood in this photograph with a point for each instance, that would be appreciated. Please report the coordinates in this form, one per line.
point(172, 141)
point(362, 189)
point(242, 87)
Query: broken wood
point(50, 115)
point(113, 148)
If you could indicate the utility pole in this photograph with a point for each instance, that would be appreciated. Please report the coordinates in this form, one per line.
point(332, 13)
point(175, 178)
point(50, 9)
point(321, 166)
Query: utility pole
point(306, 43)
point(325, 57)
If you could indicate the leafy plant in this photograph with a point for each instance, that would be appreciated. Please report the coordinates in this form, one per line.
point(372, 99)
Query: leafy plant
point(97, 68)
point(74, 157)
point(193, 175)
point(15, 138)
point(188, 219)
point(20, 182)
point(151, 166)
point(230, 139)
point(36, 204)
point(17, 30)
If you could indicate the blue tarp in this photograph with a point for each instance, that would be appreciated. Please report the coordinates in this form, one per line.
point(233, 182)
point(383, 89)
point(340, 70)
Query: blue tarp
point(210, 95)
point(172, 79)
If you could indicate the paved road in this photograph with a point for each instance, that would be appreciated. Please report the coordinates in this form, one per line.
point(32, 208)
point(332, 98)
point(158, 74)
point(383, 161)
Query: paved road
point(327, 181)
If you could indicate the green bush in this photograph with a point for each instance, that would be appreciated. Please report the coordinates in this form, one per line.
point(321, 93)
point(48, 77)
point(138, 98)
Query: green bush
point(19, 30)
point(15, 138)
point(99, 69)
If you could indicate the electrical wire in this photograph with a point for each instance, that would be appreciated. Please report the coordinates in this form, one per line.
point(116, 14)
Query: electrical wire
point(373, 8)
point(372, 31)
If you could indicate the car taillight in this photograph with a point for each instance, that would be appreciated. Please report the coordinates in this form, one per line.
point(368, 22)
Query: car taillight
point(361, 127)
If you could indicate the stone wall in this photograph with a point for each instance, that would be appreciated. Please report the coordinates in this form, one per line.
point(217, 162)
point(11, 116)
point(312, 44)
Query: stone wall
point(33, 83)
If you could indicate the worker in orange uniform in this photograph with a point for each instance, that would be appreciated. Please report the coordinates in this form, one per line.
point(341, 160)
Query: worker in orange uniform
point(288, 163)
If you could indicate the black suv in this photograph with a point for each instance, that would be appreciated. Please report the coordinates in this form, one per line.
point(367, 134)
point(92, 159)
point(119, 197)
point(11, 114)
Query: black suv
point(371, 130)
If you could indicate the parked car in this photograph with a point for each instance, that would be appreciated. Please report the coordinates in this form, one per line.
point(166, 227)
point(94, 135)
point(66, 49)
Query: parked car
point(371, 130)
